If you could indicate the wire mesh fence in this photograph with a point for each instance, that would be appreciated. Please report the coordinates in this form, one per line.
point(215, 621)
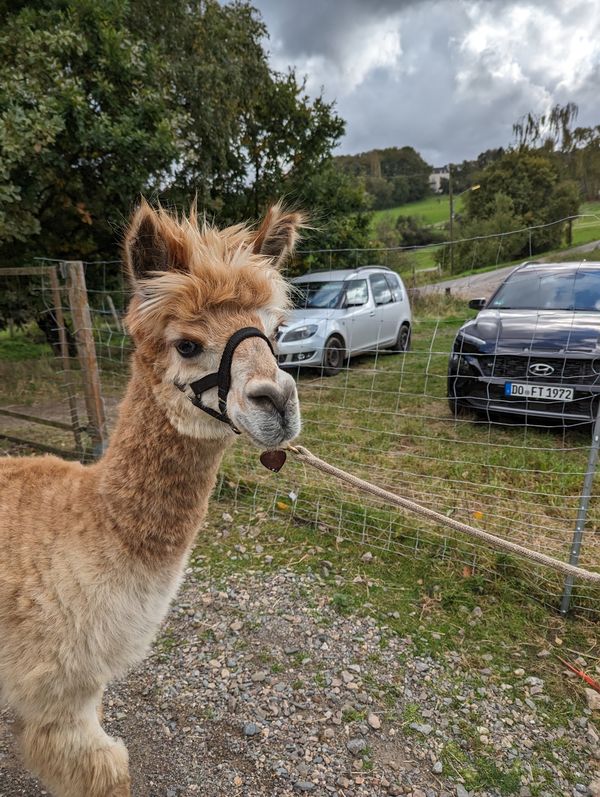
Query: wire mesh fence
point(386, 416)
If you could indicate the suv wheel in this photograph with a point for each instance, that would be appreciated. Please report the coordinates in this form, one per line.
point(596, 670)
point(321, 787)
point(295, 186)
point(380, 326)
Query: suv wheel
point(403, 340)
point(457, 406)
point(333, 357)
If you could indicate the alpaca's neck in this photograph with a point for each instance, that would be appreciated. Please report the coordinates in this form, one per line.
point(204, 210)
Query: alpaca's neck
point(154, 482)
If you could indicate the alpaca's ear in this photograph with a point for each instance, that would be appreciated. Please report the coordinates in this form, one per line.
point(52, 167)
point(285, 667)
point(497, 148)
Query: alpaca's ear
point(278, 233)
point(146, 247)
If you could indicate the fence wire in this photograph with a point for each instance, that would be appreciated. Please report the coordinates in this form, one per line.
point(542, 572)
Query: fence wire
point(384, 417)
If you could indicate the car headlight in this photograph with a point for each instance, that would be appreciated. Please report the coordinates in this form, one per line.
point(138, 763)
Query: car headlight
point(463, 365)
point(300, 333)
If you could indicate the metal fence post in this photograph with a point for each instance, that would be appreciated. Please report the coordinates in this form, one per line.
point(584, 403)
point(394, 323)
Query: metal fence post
point(86, 349)
point(584, 502)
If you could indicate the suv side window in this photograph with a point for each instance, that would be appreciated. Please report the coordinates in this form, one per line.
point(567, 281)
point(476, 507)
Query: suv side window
point(395, 286)
point(357, 293)
point(381, 290)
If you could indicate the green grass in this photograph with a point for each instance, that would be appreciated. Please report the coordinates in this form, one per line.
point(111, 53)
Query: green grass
point(481, 772)
point(21, 346)
point(417, 267)
point(433, 210)
point(587, 229)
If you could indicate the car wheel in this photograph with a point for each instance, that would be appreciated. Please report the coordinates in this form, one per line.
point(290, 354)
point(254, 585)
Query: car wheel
point(403, 340)
point(333, 357)
point(456, 403)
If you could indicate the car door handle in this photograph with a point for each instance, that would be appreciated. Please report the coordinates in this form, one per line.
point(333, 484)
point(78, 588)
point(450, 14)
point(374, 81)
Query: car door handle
point(372, 313)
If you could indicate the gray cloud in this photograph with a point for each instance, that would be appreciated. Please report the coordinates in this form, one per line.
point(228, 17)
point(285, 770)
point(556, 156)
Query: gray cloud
point(319, 26)
point(448, 78)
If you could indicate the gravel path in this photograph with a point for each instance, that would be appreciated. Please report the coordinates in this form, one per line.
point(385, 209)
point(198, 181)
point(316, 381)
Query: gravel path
point(259, 686)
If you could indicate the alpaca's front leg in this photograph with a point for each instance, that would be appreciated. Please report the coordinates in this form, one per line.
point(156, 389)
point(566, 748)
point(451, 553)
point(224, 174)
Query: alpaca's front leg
point(74, 757)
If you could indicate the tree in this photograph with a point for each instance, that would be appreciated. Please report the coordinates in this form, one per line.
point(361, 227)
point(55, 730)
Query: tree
point(285, 139)
point(528, 178)
point(402, 169)
point(412, 232)
point(464, 174)
point(407, 162)
point(400, 189)
point(103, 101)
point(540, 199)
point(550, 131)
point(381, 191)
point(576, 150)
point(85, 126)
point(483, 242)
point(521, 189)
point(339, 218)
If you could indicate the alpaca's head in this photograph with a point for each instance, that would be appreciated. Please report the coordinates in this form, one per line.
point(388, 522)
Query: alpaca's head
point(194, 286)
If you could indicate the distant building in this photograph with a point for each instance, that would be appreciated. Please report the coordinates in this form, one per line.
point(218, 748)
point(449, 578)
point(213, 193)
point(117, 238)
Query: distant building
point(436, 177)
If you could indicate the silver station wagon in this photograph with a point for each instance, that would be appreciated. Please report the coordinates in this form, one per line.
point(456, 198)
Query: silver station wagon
point(338, 314)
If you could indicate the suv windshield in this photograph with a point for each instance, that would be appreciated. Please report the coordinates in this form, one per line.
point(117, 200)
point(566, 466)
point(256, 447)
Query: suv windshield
point(315, 295)
point(578, 290)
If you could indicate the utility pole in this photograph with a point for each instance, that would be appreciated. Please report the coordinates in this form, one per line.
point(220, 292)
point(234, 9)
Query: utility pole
point(451, 198)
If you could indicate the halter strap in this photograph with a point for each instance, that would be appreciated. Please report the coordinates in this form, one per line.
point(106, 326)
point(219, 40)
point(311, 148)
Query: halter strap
point(221, 379)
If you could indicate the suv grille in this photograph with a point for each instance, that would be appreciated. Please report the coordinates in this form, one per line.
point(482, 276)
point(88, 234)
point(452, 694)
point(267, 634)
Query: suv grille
point(515, 367)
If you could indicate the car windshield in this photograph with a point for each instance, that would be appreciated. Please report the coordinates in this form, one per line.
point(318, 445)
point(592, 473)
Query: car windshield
point(317, 295)
point(577, 290)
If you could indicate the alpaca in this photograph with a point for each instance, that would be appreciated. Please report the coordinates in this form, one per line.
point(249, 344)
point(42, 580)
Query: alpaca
point(92, 555)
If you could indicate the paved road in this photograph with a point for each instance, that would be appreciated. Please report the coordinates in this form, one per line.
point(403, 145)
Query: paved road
point(482, 285)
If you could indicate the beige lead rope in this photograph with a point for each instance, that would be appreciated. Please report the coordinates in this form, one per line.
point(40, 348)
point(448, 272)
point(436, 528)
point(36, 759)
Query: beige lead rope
point(304, 455)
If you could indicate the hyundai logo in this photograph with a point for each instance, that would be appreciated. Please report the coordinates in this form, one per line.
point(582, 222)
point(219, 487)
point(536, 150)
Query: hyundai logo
point(541, 369)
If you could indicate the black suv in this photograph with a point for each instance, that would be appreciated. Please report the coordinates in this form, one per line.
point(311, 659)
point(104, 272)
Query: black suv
point(534, 348)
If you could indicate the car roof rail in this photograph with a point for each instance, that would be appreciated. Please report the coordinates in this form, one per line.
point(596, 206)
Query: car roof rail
point(318, 271)
point(381, 268)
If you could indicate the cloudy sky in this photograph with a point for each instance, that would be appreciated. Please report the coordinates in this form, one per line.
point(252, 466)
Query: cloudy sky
point(448, 77)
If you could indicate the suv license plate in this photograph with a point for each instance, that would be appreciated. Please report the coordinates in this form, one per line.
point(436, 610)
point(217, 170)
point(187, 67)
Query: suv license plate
point(544, 392)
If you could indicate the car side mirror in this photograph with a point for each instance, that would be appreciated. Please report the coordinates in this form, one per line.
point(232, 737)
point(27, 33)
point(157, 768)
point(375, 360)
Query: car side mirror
point(477, 304)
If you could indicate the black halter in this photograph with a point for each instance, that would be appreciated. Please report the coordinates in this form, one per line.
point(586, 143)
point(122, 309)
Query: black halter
point(221, 379)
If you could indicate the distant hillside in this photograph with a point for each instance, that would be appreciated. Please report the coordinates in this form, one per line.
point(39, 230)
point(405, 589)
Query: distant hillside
point(397, 176)
point(392, 176)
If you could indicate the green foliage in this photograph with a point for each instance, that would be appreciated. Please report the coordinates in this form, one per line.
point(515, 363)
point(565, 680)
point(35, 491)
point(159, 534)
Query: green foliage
point(412, 233)
point(101, 102)
point(339, 216)
point(576, 150)
point(21, 347)
point(480, 243)
point(381, 190)
point(528, 178)
point(393, 176)
point(84, 127)
point(521, 189)
point(284, 141)
point(465, 174)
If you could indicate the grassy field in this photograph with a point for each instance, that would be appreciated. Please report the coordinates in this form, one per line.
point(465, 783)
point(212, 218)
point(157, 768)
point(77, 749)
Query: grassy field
point(432, 210)
point(587, 229)
point(435, 210)
point(418, 267)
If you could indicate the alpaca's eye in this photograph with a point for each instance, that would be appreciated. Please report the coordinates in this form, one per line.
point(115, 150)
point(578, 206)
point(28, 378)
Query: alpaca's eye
point(187, 348)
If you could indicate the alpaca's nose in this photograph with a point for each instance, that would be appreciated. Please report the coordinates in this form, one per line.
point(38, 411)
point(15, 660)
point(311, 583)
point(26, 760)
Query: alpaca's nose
point(267, 409)
point(267, 395)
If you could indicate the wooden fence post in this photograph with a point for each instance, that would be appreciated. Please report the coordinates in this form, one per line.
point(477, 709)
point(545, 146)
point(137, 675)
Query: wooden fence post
point(86, 349)
point(64, 354)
